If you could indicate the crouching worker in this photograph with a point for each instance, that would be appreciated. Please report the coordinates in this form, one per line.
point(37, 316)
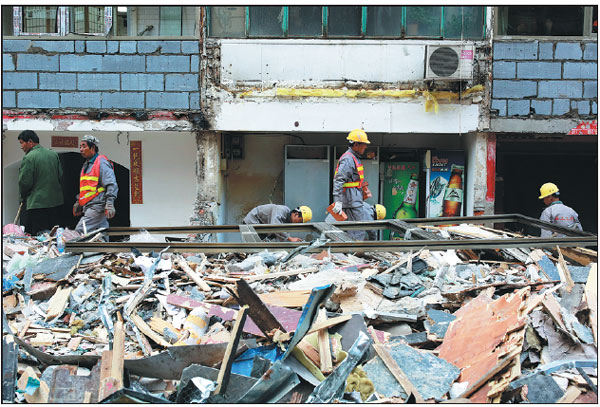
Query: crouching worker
point(278, 214)
point(97, 188)
point(377, 212)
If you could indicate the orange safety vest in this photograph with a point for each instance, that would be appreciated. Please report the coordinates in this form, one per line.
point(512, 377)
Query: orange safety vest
point(88, 183)
point(359, 168)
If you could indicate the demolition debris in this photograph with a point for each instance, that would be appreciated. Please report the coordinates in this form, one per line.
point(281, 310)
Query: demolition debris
point(149, 321)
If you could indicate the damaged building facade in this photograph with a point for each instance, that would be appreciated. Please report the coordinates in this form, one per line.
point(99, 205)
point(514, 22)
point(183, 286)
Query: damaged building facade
point(544, 107)
point(220, 109)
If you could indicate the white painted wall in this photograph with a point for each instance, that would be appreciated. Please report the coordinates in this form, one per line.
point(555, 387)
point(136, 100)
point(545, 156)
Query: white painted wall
point(315, 61)
point(381, 116)
point(168, 169)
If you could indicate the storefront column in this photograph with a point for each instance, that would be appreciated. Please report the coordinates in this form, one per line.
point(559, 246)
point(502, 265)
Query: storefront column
point(481, 173)
point(208, 179)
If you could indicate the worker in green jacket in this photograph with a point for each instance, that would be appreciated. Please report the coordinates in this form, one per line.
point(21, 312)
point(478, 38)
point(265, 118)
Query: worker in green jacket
point(40, 187)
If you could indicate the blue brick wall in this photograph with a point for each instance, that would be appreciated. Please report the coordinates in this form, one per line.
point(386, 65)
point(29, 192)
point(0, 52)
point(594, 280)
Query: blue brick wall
point(101, 74)
point(550, 77)
point(58, 81)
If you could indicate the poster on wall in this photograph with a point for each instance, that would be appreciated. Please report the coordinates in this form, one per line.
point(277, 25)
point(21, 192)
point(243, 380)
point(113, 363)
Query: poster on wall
point(445, 181)
point(400, 192)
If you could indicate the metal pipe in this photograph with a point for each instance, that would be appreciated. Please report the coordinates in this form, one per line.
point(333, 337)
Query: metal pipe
point(339, 247)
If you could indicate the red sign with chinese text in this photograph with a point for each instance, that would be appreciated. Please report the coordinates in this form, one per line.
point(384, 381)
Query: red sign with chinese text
point(585, 128)
point(135, 158)
point(63, 141)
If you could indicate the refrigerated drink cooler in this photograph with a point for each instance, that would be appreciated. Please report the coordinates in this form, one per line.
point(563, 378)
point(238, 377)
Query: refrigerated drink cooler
point(400, 192)
point(445, 184)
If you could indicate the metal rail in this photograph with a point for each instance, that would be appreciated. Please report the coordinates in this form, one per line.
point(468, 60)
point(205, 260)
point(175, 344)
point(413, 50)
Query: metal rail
point(339, 247)
point(343, 226)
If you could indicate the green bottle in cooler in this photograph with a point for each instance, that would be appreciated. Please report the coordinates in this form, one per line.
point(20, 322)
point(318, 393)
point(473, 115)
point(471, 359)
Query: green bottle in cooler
point(407, 209)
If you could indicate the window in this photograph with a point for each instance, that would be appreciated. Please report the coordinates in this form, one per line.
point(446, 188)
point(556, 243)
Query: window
point(87, 20)
point(424, 21)
point(384, 21)
point(344, 21)
point(266, 21)
point(347, 22)
point(542, 20)
point(227, 22)
point(463, 22)
point(305, 21)
point(40, 19)
point(170, 21)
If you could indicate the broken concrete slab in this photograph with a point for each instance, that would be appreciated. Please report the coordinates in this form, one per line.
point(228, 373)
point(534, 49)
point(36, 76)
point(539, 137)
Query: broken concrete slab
point(432, 376)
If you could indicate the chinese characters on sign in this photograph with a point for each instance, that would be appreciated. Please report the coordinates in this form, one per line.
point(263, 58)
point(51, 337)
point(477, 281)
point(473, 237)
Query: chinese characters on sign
point(135, 157)
point(585, 128)
point(62, 141)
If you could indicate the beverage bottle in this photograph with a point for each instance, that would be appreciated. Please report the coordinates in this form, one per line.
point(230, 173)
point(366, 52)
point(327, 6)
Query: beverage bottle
point(60, 241)
point(453, 196)
point(407, 209)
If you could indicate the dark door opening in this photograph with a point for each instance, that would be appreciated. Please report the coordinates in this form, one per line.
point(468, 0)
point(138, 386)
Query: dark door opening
point(520, 175)
point(71, 164)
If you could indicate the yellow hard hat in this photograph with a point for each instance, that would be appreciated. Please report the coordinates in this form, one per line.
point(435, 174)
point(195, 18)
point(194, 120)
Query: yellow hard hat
point(548, 189)
point(306, 213)
point(380, 211)
point(358, 136)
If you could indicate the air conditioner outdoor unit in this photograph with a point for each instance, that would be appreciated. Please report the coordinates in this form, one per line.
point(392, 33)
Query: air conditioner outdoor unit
point(449, 62)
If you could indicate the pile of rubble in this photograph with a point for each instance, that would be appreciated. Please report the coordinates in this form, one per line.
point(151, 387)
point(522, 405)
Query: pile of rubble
point(505, 325)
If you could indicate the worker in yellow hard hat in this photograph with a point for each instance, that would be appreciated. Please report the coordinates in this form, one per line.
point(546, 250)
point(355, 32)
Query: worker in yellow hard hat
point(556, 212)
point(278, 214)
point(349, 179)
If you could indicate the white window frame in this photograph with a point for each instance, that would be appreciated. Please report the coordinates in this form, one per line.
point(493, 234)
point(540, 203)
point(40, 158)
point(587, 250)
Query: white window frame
point(62, 17)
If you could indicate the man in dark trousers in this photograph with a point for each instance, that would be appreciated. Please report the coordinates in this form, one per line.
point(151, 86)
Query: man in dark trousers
point(40, 186)
point(97, 188)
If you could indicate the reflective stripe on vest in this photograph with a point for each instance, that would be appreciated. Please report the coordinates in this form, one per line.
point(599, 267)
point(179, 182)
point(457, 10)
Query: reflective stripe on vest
point(359, 168)
point(88, 182)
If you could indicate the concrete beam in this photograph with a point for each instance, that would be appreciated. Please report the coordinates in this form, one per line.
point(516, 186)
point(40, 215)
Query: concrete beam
point(561, 126)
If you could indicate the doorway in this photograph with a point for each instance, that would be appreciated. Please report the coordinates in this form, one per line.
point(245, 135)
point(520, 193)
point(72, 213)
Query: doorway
point(71, 164)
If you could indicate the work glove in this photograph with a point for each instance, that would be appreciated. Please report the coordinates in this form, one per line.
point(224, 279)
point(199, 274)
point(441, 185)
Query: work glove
point(337, 207)
point(77, 209)
point(109, 210)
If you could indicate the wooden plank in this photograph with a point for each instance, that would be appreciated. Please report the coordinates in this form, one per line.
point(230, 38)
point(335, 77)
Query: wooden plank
point(290, 299)
point(570, 395)
point(116, 368)
point(105, 387)
point(158, 325)
point(236, 333)
point(326, 364)
point(269, 276)
point(192, 274)
point(74, 343)
point(397, 372)
point(249, 235)
point(563, 270)
point(328, 323)
point(260, 314)
point(580, 255)
point(146, 330)
point(24, 330)
point(58, 303)
point(591, 296)
point(310, 351)
point(553, 308)
point(491, 373)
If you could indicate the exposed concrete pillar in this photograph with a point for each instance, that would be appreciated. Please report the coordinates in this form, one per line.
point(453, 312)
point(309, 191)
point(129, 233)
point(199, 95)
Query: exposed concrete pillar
point(481, 173)
point(208, 179)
